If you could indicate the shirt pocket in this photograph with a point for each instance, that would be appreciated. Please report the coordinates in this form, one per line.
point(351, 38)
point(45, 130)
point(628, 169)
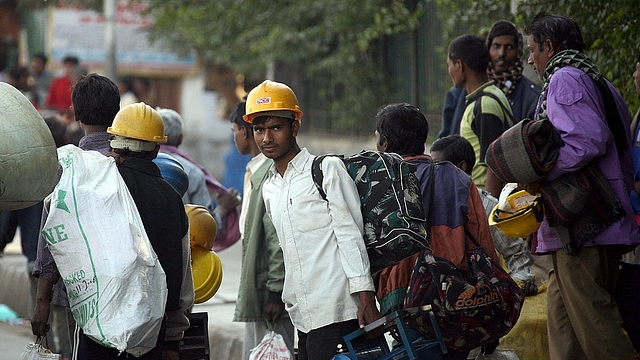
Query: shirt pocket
point(309, 213)
point(568, 96)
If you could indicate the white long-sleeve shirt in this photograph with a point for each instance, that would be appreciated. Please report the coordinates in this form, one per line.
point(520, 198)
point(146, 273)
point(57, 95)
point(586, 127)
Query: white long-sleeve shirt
point(325, 258)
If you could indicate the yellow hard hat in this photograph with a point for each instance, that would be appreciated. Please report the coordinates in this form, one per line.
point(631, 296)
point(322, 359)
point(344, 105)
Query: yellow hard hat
point(272, 98)
point(523, 220)
point(202, 226)
point(206, 268)
point(138, 121)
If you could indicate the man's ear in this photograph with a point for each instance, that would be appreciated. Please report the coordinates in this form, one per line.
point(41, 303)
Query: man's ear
point(385, 144)
point(462, 165)
point(461, 65)
point(295, 127)
point(550, 49)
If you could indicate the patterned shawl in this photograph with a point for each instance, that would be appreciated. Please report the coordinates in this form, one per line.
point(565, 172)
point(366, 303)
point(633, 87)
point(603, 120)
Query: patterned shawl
point(506, 80)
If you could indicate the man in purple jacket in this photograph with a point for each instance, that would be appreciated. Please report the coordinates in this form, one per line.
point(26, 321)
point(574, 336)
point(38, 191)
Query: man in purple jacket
point(593, 121)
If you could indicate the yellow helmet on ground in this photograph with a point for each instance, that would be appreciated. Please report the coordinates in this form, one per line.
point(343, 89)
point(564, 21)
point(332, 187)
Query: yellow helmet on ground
point(523, 219)
point(138, 121)
point(206, 268)
point(202, 226)
point(272, 99)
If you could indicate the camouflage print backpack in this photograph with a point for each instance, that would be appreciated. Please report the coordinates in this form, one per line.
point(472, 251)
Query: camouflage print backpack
point(394, 218)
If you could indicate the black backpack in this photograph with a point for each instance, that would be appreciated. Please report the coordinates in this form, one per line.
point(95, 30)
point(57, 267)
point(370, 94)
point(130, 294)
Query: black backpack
point(394, 217)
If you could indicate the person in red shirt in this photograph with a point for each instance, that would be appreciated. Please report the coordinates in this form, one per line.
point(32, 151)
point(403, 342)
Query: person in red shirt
point(59, 95)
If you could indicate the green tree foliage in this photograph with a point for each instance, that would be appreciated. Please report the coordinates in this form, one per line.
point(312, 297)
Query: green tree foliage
point(330, 39)
point(338, 41)
point(28, 5)
point(470, 16)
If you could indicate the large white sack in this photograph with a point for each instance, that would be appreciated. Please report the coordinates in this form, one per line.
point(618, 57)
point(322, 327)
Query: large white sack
point(28, 163)
point(117, 289)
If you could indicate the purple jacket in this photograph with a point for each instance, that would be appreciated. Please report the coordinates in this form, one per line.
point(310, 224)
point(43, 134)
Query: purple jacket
point(576, 109)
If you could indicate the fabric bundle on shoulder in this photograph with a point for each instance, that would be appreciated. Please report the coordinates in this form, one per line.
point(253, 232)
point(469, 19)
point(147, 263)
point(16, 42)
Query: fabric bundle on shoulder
point(525, 152)
point(577, 206)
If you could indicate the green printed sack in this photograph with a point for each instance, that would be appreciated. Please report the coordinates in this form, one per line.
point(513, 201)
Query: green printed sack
point(116, 287)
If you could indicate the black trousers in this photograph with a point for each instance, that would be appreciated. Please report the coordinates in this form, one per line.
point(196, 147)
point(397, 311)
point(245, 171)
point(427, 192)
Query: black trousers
point(91, 350)
point(322, 343)
point(628, 298)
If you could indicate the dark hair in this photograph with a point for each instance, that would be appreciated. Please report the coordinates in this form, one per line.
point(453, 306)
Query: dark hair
point(127, 81)
point(58, 129)
point(455, 148)
point(18, 73)
point(261, 119)
point(236, 116)
point(96, 100)
point(563, 32)
point(137, 81)
point(504, 27)
point(18, 77)
point(42, 57)
point(471, 50)
point(70, 59)
point(405, 128)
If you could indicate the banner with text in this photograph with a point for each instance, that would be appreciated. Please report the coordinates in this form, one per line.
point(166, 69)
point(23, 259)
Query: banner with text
point(80, 32)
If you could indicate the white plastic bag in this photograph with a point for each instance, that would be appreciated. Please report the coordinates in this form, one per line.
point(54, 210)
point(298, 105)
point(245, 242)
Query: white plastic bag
point(116, 287)
point(272, 347)
point(35, 351)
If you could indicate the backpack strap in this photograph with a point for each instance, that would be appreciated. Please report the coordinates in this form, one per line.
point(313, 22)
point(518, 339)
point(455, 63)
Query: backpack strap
point(471, 237)
point(317, 175)
point(478, 104)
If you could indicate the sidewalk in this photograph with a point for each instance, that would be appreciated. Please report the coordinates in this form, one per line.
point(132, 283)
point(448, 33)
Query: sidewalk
point(225, 336)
